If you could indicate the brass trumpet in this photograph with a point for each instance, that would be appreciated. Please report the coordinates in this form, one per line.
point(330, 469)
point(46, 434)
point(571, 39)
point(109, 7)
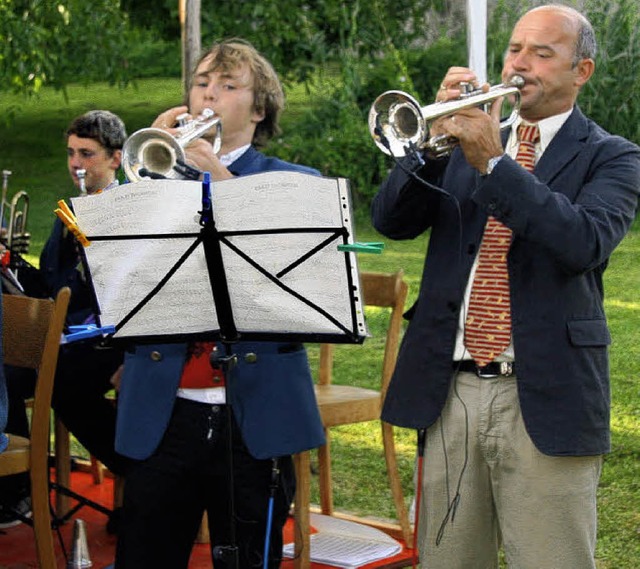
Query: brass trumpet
point(158, 151)
point(16, 237)
point(397, 121)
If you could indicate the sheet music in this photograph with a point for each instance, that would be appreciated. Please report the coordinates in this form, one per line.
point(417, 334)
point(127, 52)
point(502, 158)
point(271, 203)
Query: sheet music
point(139, 231)
point(346, 544)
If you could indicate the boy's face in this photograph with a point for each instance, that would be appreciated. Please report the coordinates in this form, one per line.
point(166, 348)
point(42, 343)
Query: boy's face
point(88, 154)
point(230, 95)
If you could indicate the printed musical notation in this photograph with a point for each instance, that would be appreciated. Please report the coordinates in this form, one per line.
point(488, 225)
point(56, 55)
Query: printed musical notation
point(279, 231)
point(346, 544)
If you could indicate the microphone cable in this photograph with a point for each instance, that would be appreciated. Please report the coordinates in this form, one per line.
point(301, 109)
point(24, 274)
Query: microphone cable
point(417, 161)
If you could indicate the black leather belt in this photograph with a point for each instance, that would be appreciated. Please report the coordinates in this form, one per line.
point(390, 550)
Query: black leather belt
point(490, 371)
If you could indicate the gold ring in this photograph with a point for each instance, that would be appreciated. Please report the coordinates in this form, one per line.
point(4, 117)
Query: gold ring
point(443, 87)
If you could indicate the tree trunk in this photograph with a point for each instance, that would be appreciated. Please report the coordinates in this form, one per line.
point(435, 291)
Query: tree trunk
point(189, 11)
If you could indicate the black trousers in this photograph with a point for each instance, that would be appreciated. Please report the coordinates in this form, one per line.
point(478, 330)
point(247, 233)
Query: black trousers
point(166, 495)
point(82, 379)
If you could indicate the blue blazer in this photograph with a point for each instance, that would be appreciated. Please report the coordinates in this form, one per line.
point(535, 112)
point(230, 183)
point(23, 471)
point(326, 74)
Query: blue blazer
point(59, 262)
point(567, 217)
point(270, 388)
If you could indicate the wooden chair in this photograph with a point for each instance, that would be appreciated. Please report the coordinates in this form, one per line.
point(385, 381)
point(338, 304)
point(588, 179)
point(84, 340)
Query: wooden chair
point(32, 329)
point(344, 404)
point(62, 462)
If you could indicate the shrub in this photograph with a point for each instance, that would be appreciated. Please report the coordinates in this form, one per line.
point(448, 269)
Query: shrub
point(333, 136)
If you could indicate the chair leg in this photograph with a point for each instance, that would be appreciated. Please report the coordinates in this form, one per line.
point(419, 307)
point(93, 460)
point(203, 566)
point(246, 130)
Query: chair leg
point(324, 476)
point(118, 491)
point(62, 465)
point(97, 470)
point(302, 548)
point(42, 517)
point(394, 482)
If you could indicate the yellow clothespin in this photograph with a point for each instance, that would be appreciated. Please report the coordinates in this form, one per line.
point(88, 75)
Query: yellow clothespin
point(69, 219)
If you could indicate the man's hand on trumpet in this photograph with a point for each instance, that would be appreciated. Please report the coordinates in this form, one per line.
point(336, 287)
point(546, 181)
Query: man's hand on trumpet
point(450, 88)
point(478, 132)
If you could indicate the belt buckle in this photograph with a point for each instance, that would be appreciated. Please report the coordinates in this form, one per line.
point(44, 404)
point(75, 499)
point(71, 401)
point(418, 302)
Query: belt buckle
point(505, 370)
point(485, 375)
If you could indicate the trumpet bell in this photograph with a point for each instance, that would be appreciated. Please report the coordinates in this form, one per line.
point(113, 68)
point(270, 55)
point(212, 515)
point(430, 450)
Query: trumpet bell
point(153, 149)
point(394, 122)
point(158, 151)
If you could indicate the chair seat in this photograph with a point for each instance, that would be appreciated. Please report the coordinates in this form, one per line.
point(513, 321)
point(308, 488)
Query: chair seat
point(343, 404)
point(15, 458)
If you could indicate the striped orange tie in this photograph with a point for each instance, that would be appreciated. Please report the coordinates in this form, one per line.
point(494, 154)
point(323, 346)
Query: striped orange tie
point(488, 326)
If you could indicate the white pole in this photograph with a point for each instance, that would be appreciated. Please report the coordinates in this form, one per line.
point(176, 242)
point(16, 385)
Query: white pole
point(477, 37)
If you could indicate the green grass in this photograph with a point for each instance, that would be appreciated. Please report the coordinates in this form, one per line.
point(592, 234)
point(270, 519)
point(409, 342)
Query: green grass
point(360, 465)
point(32, 146)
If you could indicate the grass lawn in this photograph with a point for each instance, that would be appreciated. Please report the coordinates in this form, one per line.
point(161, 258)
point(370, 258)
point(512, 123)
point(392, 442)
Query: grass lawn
point(32, 146)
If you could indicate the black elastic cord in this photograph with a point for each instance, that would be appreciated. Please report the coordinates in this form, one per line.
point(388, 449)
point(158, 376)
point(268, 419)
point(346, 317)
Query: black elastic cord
point(186, 171)
point(455, 502)
point(146, 173)
point(417, 161)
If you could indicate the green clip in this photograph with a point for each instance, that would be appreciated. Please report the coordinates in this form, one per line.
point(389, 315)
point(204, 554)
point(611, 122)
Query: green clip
point(375, 247)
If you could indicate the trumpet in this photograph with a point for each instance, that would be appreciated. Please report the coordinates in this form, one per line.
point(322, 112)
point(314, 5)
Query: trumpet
point(158, 152)
point(82, 184)
point(397, 121)
point(15, 234)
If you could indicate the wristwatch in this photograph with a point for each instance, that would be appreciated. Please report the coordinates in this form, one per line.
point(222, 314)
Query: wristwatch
point(491, 163)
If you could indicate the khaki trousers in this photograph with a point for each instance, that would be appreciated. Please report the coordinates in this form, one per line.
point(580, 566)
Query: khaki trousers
point(478, 455)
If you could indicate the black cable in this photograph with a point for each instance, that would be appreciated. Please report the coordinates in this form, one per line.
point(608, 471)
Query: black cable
point(455, 502)
point(412, 152)
point(146, 173)
point(417, 161)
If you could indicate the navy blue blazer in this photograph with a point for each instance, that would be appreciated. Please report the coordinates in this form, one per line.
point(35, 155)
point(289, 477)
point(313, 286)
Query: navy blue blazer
point(566, 217)
point(59, 261)
point(271, 388)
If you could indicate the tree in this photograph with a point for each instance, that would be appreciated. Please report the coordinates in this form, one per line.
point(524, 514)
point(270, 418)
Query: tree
point(55, 43)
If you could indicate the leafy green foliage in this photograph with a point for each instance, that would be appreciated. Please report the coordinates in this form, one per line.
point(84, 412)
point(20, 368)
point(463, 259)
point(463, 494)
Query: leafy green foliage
point(55, 44)
point(610, 96)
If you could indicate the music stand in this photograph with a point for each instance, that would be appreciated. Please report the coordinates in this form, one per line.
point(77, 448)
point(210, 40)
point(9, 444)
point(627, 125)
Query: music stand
point(263, 247)
point(278, 233)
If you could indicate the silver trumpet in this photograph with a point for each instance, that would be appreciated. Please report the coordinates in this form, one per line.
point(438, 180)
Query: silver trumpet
point(16, 237)
point(158, 151)
point(82, 185)
point(397, 121)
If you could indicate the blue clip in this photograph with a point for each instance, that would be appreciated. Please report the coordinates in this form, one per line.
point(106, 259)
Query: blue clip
point(84, 331)
point(376, 247)
point(206, 215)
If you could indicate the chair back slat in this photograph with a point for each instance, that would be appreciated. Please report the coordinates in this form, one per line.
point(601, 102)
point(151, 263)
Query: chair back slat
point(24, 332)
point(385, 290)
